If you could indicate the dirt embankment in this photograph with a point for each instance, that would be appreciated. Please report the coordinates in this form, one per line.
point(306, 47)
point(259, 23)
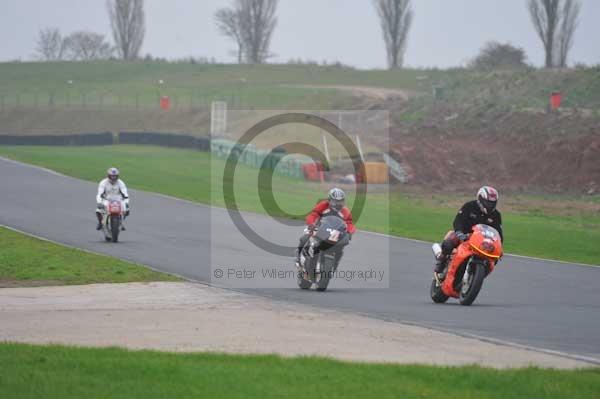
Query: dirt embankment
point(455, 147)
point(559, 164)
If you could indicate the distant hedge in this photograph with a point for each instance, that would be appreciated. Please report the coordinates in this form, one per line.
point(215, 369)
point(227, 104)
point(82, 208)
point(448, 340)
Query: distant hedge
point(105, 138)
point(165, 140)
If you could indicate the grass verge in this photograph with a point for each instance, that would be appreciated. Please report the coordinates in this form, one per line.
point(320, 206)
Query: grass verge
point(26, 261)
point(31, 371)
point(110, 83)
point(191, 175)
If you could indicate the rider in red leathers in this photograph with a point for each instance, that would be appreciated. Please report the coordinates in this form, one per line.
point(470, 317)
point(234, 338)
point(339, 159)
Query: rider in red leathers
point(334, 203)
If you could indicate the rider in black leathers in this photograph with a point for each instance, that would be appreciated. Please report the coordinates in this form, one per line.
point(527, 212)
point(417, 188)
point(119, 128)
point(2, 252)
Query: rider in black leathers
point(480, 211)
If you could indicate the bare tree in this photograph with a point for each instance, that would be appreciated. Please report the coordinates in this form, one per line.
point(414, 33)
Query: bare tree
point(555, 25)
point(229, 24)
point(128, 24)
point(258, 23)
point(251, 24)
point(566, 34)
point(50, 45)
point(395, 17)
point(87, 46)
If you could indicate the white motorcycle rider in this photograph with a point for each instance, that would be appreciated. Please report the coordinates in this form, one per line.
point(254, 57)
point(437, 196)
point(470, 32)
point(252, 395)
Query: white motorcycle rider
point(111, 188)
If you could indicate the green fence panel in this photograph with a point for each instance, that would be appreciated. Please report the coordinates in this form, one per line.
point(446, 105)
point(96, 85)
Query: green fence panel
point(281, 163)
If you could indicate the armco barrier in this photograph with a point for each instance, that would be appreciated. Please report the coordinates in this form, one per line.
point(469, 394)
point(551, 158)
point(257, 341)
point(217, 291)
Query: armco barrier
point(278, 160)
point(165, 140)
point(250, 155)
point(62, 140)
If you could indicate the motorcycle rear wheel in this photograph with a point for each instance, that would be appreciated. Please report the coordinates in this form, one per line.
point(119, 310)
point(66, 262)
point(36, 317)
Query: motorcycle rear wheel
point(436, 293)
point(302, 282)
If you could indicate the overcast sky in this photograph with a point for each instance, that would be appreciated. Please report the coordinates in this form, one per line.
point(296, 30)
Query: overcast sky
point(444, 33)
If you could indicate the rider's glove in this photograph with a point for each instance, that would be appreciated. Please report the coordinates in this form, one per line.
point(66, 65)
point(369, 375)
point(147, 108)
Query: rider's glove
point(461, 236)
point(311, 227)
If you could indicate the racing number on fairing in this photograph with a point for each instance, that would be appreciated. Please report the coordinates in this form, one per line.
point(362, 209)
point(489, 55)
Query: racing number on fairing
point(334, 235)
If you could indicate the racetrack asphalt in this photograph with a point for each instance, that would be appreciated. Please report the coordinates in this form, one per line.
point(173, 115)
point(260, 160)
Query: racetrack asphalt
point(543, 305)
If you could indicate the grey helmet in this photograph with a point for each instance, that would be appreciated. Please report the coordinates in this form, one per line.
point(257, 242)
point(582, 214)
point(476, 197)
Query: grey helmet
point(337, 199)
point(112, 174)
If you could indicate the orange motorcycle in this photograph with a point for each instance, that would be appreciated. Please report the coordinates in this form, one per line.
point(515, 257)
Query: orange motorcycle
point(468, 266)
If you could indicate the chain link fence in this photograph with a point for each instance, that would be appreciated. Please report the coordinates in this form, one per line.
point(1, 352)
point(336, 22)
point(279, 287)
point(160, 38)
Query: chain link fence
point(258, 98)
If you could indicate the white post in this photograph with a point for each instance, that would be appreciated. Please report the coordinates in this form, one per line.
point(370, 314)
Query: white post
point(360, 151)
point(326, 148)
point(212, 119)
point(218, 118)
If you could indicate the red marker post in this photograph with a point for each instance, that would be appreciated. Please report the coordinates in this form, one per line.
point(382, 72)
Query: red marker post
point(165, 103)
point(555, 100)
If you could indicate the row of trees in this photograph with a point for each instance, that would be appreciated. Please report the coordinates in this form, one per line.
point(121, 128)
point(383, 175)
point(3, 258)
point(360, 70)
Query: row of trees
point(251, 23)
point(80, 45)
point(127, 21)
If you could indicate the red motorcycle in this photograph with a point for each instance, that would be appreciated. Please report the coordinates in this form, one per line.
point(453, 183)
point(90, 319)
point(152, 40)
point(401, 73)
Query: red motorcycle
point(470, 263)
point(113, 219)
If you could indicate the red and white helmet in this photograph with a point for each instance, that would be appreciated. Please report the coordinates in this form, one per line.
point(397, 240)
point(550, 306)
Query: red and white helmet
point(487, 198)
point(112, 174)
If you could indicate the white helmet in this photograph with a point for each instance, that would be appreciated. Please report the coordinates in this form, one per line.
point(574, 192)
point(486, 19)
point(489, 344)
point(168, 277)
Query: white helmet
point(487, 198)
point(112, 174)
point(336, 198)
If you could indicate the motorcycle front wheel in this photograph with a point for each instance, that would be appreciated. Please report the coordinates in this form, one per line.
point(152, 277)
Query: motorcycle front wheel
point(469, 292)
point(115, 227)
point(327, 268)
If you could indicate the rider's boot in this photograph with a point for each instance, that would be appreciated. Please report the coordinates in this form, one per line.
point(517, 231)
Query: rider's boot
point(99, 225)
point(301, 245)
point(440, 264)
point(297, 258)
